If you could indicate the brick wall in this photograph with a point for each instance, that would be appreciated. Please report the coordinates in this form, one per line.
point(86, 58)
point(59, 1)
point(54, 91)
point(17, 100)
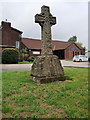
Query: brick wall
point(73, 50)
point(10, 35)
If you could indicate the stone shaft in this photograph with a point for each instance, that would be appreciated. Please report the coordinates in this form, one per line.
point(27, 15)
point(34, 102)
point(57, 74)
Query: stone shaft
point(46, 20)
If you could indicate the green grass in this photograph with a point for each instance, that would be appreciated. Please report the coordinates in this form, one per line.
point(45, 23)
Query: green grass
point(69, 59)
point(24, 62)
point(23, 98)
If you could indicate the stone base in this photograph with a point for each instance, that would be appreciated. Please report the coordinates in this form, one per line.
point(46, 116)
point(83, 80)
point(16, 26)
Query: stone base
point(46, 79)
point(47, 69)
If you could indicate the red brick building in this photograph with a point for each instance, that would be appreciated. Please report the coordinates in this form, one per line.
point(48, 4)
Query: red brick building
point(10, 37)
point(64, 50)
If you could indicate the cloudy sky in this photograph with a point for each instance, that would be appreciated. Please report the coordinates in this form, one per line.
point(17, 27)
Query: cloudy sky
point(71, 15)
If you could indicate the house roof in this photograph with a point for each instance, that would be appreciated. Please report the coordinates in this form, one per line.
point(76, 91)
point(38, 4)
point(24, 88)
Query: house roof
point(9, 24)
point(31, 43)
point(16, 30)
point(57, 45)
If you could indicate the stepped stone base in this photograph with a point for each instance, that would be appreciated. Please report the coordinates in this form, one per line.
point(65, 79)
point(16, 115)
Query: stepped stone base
point(47, 69)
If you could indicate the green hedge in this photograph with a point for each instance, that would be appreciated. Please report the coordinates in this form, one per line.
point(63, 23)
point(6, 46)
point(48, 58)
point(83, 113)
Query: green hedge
point(10, 55)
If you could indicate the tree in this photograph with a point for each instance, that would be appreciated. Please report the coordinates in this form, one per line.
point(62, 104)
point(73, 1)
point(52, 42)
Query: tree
point(72, 39)
point(79, 43)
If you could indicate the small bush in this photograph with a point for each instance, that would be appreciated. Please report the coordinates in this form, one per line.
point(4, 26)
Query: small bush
point(10, 55)
point(31, 58)
point(24, 51)
point(24, 55)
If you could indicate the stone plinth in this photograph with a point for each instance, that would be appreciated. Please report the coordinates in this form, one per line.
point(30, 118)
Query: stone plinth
point(47, 69)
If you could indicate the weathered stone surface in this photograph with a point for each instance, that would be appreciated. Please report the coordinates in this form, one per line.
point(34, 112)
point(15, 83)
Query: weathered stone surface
point(46, 68)
point(46, 20)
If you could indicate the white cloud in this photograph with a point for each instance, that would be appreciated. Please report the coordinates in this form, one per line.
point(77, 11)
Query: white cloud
point(0, 10)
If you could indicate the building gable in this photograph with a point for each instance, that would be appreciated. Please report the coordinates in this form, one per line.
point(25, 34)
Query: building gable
point(10, 35)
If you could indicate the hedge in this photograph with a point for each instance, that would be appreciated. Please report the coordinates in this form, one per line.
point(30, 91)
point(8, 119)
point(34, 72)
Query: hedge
point(10, 55)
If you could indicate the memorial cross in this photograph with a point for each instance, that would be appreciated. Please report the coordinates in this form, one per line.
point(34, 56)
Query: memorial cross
point(46, 20)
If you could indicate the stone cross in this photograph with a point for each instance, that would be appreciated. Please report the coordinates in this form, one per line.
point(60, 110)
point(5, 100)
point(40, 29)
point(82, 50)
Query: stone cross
point(47, 67)
point(46, 20)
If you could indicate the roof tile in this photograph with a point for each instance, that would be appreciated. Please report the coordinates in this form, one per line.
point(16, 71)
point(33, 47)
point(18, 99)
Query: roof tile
point(36, 44)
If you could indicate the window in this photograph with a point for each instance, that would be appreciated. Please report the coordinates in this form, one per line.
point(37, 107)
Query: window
point(81, 52)
point(0, 27)
point(20, 36)
point(36, 52)
point(73, 53)
point(17, 44)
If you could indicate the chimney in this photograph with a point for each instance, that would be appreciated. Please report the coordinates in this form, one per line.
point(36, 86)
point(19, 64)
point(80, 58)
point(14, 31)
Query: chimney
point(7, 24)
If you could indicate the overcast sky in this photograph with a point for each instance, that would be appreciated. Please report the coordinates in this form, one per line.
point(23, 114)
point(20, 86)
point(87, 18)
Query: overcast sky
point(71, 16)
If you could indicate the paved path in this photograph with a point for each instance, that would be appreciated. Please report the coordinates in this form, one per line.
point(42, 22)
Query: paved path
point(22, 67)
point(75, 64)
point(15, 67)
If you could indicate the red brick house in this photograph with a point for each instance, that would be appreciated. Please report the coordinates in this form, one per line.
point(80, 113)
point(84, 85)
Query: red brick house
point(64, 50)
point(10, 37)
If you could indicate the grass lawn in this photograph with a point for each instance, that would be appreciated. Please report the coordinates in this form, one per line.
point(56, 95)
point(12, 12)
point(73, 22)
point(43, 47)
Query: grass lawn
point(69, 59)
point(22, 98)
point(24, 62)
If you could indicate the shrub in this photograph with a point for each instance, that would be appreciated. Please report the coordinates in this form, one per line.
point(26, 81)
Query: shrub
point(24, 54)
point(31, 58)
point(10, 55)
point(23, 51)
